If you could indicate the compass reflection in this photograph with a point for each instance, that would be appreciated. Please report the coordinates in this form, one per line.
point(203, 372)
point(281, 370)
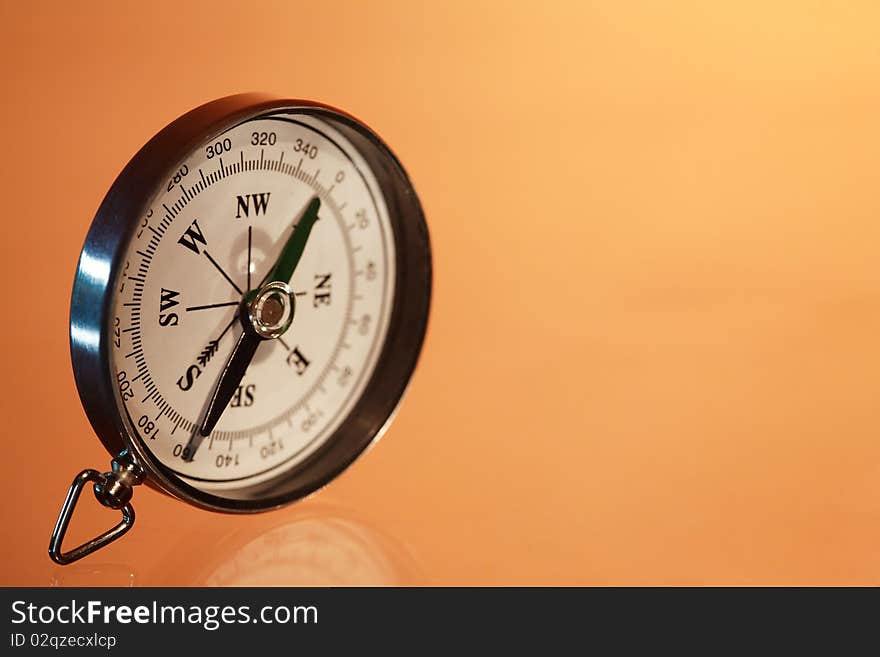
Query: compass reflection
point(311, 544)
point(99, 574)
point(319, 546)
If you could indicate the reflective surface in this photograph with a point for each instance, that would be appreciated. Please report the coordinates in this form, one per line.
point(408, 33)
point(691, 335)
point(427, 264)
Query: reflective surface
point(319, 544)
point(652, 355)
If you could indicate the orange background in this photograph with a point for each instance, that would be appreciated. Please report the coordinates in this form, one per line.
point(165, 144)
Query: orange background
point(652, 356)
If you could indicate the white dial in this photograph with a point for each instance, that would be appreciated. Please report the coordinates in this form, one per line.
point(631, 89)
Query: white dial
point(211, 235)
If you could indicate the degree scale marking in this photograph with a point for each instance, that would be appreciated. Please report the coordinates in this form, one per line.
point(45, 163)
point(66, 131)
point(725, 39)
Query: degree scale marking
point(376, 341)
point(146, 260)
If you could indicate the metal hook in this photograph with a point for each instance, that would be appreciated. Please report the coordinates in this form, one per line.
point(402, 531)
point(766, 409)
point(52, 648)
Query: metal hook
point(112, 489)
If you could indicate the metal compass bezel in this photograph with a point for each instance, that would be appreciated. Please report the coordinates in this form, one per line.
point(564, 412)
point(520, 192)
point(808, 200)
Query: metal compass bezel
point(99, 266)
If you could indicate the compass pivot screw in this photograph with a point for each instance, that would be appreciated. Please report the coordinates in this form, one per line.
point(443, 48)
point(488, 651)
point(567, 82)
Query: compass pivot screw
point(271, 310)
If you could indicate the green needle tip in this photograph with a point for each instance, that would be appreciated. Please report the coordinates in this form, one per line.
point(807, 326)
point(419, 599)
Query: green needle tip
point(296, 244)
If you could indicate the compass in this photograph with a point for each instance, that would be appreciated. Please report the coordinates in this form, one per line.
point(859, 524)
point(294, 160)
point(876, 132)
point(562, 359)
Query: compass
point(248, 308)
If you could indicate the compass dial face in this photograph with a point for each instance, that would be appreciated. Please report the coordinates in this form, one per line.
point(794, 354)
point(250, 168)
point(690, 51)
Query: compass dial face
point(210, 240)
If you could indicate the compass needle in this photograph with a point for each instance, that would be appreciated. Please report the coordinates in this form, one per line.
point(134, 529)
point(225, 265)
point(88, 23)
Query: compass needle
point(259, 320)
point(231, 376)
point(166, 342)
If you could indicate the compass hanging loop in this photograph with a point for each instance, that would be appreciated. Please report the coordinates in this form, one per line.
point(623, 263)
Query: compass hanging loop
point(112, 489)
